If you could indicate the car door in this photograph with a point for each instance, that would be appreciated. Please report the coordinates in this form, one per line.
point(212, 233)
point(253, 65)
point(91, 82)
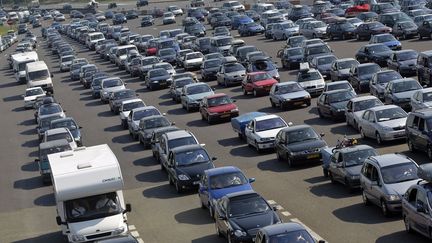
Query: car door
point(170, 166)
point(334, 165)
point(280, 143)
point(325, 108)
point(388, 93)
point(375, 185)
point(222, 217)
point(421, 135)
point(421, 218)
point(220, 75)
point(349, 113)
point(204, 107)
point(392, 62)
point(247, 83)
point(249, 131)
point(203, 190)
point(364, 123)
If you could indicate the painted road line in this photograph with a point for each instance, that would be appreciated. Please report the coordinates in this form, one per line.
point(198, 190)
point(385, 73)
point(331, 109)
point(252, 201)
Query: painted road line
point(279, 207)
point(286, 213)
point(132, 227)
point(134, 234)
point(140, 240)
point(271, 202)
point(314, 235)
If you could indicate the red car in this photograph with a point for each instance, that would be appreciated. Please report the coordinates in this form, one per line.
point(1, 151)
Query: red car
point(258, 83)
point(152, 48)
point(218, 107)
point(359, 7)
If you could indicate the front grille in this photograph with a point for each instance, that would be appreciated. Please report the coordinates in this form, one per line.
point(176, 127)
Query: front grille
point(310, 87)
point(309, 151)
point(399, 128)
point(253, 232)
point(96, 236)
point(294, 99)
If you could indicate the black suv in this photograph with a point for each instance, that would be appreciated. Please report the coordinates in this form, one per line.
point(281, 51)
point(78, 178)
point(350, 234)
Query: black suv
point(418, 131)
point(424, 67)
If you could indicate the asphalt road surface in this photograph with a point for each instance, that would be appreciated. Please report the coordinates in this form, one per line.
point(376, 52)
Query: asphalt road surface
point(27, 210)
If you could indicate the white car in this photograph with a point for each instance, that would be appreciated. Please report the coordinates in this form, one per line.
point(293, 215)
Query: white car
point(126, 107)
point(31, 95)
point(311, 80)
point(168, 18)
point(421, 99)
point(175, 10)
point(193, 60)
point(59, 133)
point(110, 85)
point(261, 131)
point(357, 106)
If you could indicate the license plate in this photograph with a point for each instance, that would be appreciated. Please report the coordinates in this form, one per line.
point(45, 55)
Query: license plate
point(195, 182)
point(312, 156)
point(225, 115)
point(298, 103)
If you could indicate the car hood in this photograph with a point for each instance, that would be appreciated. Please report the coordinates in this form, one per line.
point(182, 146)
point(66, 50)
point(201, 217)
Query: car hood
point(293, 95)
point(195, 60)
point(354, 170)
point(410, 62)
point(254, 221)
point(400, 188)
point(266, 82)
point(405, 95)
point(238, 73)
point(269, 133)
point(97, 225)
point(394, 123)
point(218, 193)
point(392, 43)
point(222, 108)
point(112, 89)
point(194, 171)
point(200, 95)
point(158, 78)
point(339, 105)
point(308, 145)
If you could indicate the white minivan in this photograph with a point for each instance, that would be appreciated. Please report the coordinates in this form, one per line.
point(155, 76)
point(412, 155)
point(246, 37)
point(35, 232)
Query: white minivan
point(38, 75)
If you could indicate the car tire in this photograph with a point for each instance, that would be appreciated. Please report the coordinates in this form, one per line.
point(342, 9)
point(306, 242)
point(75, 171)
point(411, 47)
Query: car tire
point(281, 105)
point(284, 37)
point(170, 181)
point(378, 138)
point(410, 146)
point(358, 37)
point(178, 187)
point(244, 91)
point(162, 167)
point(407, 224)
point(257, 147)
point(362, 134)
point(218, 232)
point(325, 172)
point(404, 36)
point(209, 120)
point(255, 93)
point(366, 201)
point(320, 114)
point(211, 213)
point(290, 162)
point(330, 175)
point(384, 209)
point(272, 103)
point(140, 140)
point(429, 152)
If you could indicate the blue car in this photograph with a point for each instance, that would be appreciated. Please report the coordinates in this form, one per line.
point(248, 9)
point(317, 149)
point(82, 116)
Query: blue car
point(218, 182)
point(238, 20)
point(239, 123)
point(251, 28)
point(387, 39)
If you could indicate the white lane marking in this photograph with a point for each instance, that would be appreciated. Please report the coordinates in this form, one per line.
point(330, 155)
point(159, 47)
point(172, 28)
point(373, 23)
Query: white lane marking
point(314, 235)
point(134, 234)
point(132, 227)
point(286, 213)
point(271, 202)
point(279, 207)
point(140, 240)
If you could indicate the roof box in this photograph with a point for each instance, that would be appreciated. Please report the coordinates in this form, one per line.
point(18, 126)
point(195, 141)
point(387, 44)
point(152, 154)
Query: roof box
point(304, 67)
point(425, 172)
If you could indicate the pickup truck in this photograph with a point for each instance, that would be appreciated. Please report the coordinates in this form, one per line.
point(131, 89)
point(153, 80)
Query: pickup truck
point(239, 123)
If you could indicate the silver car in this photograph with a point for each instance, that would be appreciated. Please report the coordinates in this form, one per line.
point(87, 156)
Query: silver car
point(136, 115)
point(110, 85)
point(421, 99)
point(281, 31)
point(340, 68)
point(357, 106)
point(383, 123)
point(384, 179)
point(379, 81)
point(314, 29)
point(231, 73)
point(288, 94)
point(400, 91)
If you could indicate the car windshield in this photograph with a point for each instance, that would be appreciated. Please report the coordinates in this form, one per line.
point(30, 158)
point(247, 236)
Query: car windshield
point(226, 180)
point(144, 113)
point(337, 86)
point(318, 50)
point(288, 25)
point(375, 25)
point(69, 124)
point(326, 60)
point(223, 42)
point(357, 157)
point(308, 76)
point(368, 70)
point(123, 94)
point(112, 83)
point(132, 105)
point(52, 150)
point(33, 92)
point(204, 41)
point(149, 61)
point(346, 25)
point(46, 122)
point(427, 97)
point(67, 59)
point(93, 207)
point(212, 63)
point(408, 25)
point(407, 55)
point(183, 82)
point(156, 122)
point(263, 65)
point(378, 49)
point(292, 236)
point(406, 86)
point(390, 114)
point(38, 75)
point(167, 52)
point(247, 206)
point(366, 104)
point(174, 143)
point(235, 67)
point(288, 88)
point(217, 101)
point(301, 135)
point(158, 72)
point(386, 77)
point(294, 52)
point(194, 55)
point(191, 157)
point(340, 96)
point(58, 136)
point(296, 40)
point(269, 124)
point(318, 24)
point(169, 14)
point(259, 77)
point(399, 173)
point(198, 89)
point(49, 109)
point(167, 44)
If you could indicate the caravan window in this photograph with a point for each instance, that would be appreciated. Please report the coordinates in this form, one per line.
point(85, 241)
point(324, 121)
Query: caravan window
point(38, 75)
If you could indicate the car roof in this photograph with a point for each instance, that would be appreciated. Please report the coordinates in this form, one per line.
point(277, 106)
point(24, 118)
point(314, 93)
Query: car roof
point(145, 108)
point(277, 229)
point(266, 117)
point(382, 107)
point(222, 170)
point(389, 159)
point(186, 148)
point(216, 95)
point(355, 148)
point(131, 101)
point(361, 98)
point(402, 80)
point(57, 131)
point(337, 82)
point(178, 134)
point(195, 84)
point(337, 91)
point(54, 143)
point(424, 112)
point(366, 65)
point(242, 193)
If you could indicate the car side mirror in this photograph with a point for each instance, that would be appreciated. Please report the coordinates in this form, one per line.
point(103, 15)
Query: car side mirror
point(234, 101)
point(173, 123)
point(214, 158)
point(349, 110)
point(322, 134)
point(59, 221)
point(128, 208)
point(252, 180)
point(80, 127)
point(222, 217)
point(321, 241)
point(420, 208)
point(290, 124)
point(52, 75)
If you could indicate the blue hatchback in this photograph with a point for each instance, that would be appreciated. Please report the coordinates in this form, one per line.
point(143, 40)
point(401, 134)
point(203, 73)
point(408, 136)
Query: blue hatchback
point(218, 182)
point(238, 20)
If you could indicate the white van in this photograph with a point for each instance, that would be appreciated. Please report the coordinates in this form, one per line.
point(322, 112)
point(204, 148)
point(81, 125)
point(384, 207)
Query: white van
point(38, 75)
point(93, 38)
point(19, 62)
point(121, 54)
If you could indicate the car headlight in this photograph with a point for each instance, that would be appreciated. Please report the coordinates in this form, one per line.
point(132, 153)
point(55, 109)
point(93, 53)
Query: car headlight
point(307, 97)
point(183, 177)
point(393, 197)
point(119, 230)
point(354, 177)
point(77, 138)
point(77, 238)
point(296, 153)
point(46, 171)
point(235, 110)
point(105, 93)
point(387, 128)
point(265, 139)
point(239, 233)
point(320, 86)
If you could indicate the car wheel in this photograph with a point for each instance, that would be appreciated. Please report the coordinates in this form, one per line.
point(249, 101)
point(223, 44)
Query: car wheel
point(274, 37)
point(272, 103)
point(410, 146)
point(420, 37)
point(218, 232)
point(290, 162)
point(429, 152)
point(257, 147)
point(209, 120)
point(320, 114)
point(366, 201)
point(162, 167)
point(378, 138)
point(225, 84)
point(284, 37)
point(407, 225)
point(325, 172)
point(404, 36)
point(202, 117)
point(255, 93)
point(350, 188)
point(170, 181)
point(244, 91)
point(178, 187)
point(140, 140)
point(358, 37)
point(331, 37)
point(330, 175)
point(384, 209)
point(362, 134)
point(187, 108)
point(230, 239)
point(210, 208)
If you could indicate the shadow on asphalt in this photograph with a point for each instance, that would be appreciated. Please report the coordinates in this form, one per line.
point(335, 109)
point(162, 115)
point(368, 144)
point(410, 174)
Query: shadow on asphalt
point(401, 236)
point(246, 152)
point(332, 190)
point(209, 238)
point(50, 237)
point(271, 110)
point(231, 142)
point(106, 114)
point(18, 109)
point(195, 216)
point(80, 88)
point(31, 131)
point(123, 139)
point(273, 165)
point(115, 128)
point(165, 191)
point(29, 122)
point(165, 96)
point(177, 111)
point(356, 213)
point(12, 98)
point(148, 161)
point(87, 98)
point(136, 147)
point(29, 183)
point(316, 179)
point(94, 103)
point(9, 85)
point(152, 176)
point(343, 129)
point(318, 121)
point(30, 166)
point(167, 103)
point(197, 123)
point(47, 200)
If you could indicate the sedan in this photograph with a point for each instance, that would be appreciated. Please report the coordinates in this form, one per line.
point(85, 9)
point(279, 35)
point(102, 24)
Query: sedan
point(425, 29)
point(379, 81)
point(218, 107)
point(366, 30)
point(405, 30)
point(288, 94)
point(209, 69)
point(400, 91)
point(340, 69)
point(377, 53)
point(117, 97)
point(136, 114)
point(177, 86)
point(69, 123)
point(258, 83)
point(230, 73)
point(292, 57)
point(157, 78)
point(421, 99)
point(31, 95)
point(360, 75)
point(193, 61)
point(357, 106)
point(147, 125)
point(383, 123)
point(192, 95)
point(387, 39)
point(332, 104)
point(404, 62)
point(250, 29)
point(285, 232)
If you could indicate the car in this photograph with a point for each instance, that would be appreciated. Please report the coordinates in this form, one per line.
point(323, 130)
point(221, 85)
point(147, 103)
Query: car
point(261, 63)
point(377, 53)
point(136, 114)
point(261, 131)
point(209, 69)
point(117, 97)
point(239, 123)
point(30, 96)
point(253, 15)
point(313, 50)
point(346, 164)
point(218, 107)
point(193, 61)
point(299, 144)
point(249, 29)
point(288, 94)
point(285, 232)
point(53, 134)
point(291, 57)
point(45, 149)
point(387, 39)
point(367, 29)
point(147, 20)
point(237, 215)
point(384, 7)
point(230, 73)
point(360, 76)
point(70, 124)
point(155, 139)
point(126, 107)
point(175, 10)
point(177, 86)
point(405, 30)
point(192, 95)
point(48, 108)
point(147, 125)
point(314, 29)
point(221, 31)
point(132, 14)
point(141, 3)
point(384, 179)
point(404, 62)
point(258, 83)
point(323, 64)
point(421, 99)
point(400, 91)
point(220, 20)
point(341, 29)
point(357, 106)
point(425, 29)
point(368, 16)
point(66, 62)
point(415, 203)
point(284, 30)
point(44, 124)
point(383, 123)
point(238, 20)
point(96, 82)
point(167, 55)
point(168, 18)
point(299, 12)
point(109, 85)
point(172, 140)
point(157, 78)
point(233, 6)
point(418, 133)
point(197, 3)
point(127, 238)
point(418, 20)
point(311, 80)
point(147, 64)
point(332, 104)
point(119, 18)
point(424, 68)
point(336, 85)
point(168, 67)
point(379, 81)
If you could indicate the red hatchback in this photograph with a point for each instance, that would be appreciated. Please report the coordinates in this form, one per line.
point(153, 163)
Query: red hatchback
point(218, 107)
point(258, 83)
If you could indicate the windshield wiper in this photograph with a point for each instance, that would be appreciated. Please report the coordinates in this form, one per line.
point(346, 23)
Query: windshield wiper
point(193, 163)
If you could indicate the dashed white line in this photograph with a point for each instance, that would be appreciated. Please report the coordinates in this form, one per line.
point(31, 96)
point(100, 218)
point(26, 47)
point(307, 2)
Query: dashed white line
point(134, 234)
point(286, 213)
point(132, 227)
point(314, 235)
point(133, 231)
point(271, 202)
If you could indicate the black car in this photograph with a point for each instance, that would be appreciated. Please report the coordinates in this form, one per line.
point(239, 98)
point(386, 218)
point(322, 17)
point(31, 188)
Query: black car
point(147, 20)
point(378, 53)
point(360, 75)
point(109, 14)
point(209, 69)
point(366, 30)
point(197, 30)
point(202, 45)
point(404, 62)
point(299, 144)
point(425, 29)
point(286, 233)
point(299, 12)
point(141, 3)
point(131, 14)
point(332, 104)
point(186, 164)
point(292, 57)
point(239, 215)
point(341, 30)
point(119, 18)
point(22, 28)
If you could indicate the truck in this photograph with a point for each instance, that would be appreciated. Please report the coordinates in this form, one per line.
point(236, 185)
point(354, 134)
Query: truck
point(88, 190)
point(19, 62)
point(38, 75)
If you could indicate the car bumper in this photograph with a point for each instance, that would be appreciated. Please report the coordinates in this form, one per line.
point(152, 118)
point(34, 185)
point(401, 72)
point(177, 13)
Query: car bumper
point(353, 182)
point(234, 80)
point(394, 206)
point(295, 102)
point(408, 71)
point(225, 115)
point(314, 91)
point(188, 184)
point(266, 144)
point(404, 105)
point(393, 135)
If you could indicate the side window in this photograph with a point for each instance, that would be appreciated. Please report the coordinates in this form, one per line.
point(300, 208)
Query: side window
point(421, 200)
point(374, 174)
point(366, 170)
point(410, 120)
point(412, 196)
point(349, 106)
point(420, 60)
point(416, 122)
point(366, 115)
point(421, 124)
point(371, 117)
